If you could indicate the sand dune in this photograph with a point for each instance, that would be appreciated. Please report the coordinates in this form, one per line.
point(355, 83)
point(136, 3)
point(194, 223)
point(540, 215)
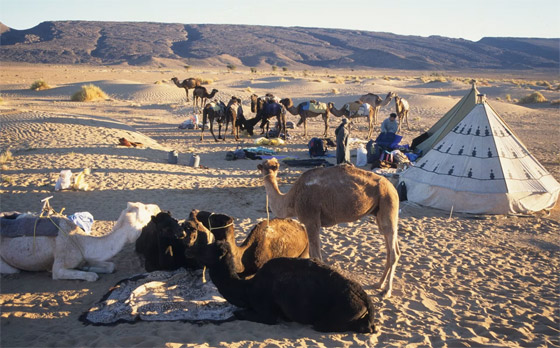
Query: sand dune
point(462, 280)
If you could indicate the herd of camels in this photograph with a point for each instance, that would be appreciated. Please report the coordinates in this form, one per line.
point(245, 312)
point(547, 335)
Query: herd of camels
point(269, 106)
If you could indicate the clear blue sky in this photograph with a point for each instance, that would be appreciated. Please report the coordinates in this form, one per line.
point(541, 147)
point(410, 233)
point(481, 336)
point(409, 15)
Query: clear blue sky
point(469, 19)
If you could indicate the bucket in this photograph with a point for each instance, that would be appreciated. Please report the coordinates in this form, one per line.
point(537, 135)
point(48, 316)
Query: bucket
point(173, 157)
point(195, 161)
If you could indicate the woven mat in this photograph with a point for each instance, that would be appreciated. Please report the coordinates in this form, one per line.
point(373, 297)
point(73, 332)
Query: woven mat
point(161, 296)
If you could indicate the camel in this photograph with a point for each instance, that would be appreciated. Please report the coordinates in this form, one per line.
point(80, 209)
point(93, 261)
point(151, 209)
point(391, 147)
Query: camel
point(323, 197)
point(304, 113)
point(265, 108)
point(402, 108)
point(186, 84)
point(72, 249)
point(301, 290)
point(267, 239)
point(214, 111)
point(376, 102)
point(347, 111)
point(234, 114)
point(201, 94)
point(158, 246)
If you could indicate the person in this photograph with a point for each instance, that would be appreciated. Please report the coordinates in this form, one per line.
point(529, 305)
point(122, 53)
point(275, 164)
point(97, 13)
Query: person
point(342, 134)
point(390, 124)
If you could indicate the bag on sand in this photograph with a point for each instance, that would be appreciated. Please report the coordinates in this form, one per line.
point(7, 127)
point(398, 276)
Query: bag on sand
point(317, 147)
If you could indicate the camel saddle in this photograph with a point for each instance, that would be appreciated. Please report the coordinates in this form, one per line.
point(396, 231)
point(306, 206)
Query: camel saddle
point(15, 224)
point(216, 106)
point(316, 107)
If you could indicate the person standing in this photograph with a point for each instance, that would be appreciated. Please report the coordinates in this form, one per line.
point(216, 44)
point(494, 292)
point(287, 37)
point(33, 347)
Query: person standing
point(390, 124)
point(342, 134)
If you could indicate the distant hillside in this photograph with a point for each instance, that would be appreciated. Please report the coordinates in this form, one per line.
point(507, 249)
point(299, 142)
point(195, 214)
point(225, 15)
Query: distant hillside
point(71, 42)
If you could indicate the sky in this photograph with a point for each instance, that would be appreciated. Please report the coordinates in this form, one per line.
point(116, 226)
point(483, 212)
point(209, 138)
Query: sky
point(470, 19)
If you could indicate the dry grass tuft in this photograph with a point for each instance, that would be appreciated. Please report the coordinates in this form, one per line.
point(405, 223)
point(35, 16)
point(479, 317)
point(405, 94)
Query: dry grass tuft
point(89, 93)
point(335, 91)
point(39, 85)
point(555, 102)
point(206, 81)
point(532, 98)
point(339, 80)
point(6, 156)
point(249, 89)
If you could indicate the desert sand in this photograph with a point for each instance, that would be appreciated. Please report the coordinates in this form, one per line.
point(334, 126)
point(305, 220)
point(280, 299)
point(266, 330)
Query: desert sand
point(462, 280)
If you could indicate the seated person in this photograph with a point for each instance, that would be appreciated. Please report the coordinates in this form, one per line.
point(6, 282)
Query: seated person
point(390, 124)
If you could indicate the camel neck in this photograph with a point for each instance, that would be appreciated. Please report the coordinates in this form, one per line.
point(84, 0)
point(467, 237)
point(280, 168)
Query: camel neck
point(276, 199)
point(232, 288)
point(105, 247)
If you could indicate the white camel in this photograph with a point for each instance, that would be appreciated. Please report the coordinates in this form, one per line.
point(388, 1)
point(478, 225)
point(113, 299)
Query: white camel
point(332, 195)
point(72, 249)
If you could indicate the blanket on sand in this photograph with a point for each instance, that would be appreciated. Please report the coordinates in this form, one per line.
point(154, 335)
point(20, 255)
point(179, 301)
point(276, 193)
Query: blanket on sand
point(161, 296)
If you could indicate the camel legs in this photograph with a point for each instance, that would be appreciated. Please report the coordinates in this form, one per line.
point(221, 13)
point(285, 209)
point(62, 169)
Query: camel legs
point(99, 267)
point(313, 234)
point(59, 271)
point(393, 255)
point(326, 120)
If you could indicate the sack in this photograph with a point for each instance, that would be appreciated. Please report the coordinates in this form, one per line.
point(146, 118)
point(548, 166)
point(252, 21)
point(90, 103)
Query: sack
point(317, 147)
point(64, 180)
point(361, 156)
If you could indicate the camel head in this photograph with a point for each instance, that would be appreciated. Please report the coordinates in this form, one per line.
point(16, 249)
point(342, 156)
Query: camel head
point(134, 218)
point(391, 95)
point(194, 233)
point(287, 102)
point(174, 79)
point(269, 167)
point(167, 225)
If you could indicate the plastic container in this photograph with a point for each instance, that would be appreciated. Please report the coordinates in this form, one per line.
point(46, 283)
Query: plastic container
point(173, 157)
point(195, 161)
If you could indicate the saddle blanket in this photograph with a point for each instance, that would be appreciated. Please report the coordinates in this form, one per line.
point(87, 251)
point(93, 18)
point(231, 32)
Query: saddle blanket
point(316, 107)
point(358, 109)
point(215, 106)
point(14, 224)
point(272, 108)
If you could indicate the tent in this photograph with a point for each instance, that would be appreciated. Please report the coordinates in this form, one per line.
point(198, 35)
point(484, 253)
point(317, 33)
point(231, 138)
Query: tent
point(474, 163)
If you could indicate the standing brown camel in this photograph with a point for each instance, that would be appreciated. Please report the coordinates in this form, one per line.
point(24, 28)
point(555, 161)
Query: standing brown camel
point(234, 114)
point(201, 94)
point(376, 101)
point(214, 111)
point(187, 83)
point(323, 197)
point(402, 108)
point(353, 110)
point(306, 110)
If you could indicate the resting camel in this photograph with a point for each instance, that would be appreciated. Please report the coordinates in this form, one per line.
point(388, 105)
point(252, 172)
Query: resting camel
point(301, 290)
point(351, 110)
point(214, 111)
point(402, 108)
point(267, 239)
point(158, 246)
point(305, 114)
point(72, 249)
point(201, 94)
point(186, 84)
point(323, 197)
point(376, 102)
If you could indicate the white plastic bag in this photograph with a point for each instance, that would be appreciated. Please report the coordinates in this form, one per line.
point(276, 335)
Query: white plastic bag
point(64, 180)
point(361, 156)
